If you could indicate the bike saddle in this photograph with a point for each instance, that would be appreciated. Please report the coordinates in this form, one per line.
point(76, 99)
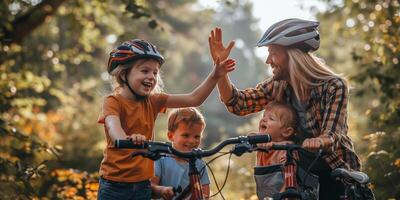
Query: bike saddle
point(359, 177)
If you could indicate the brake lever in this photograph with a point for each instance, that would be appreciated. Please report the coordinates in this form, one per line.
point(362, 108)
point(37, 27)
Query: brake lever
point(138, 153)
point(147, 154)
point(241, 148)
point(153, 156)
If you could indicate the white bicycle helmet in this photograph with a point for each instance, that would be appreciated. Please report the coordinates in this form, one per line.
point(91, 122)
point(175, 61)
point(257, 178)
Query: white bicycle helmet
point(297, 33)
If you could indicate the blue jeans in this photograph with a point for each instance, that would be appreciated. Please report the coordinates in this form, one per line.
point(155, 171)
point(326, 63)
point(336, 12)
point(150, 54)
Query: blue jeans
point(111, 190)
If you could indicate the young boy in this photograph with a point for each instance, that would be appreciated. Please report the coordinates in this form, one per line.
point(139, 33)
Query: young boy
point(185, 128)
point(279, 120)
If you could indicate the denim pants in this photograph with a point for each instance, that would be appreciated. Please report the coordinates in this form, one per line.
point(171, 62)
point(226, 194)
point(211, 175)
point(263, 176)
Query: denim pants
point(111, 190)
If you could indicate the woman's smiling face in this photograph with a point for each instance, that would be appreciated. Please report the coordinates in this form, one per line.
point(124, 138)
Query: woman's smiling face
point(278, 60)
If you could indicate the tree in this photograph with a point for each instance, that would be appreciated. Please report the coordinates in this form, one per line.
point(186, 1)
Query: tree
point(50, 83)
point(49, 68)
point(368, 32)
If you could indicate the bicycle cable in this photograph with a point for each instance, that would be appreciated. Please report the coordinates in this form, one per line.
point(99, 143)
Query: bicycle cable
point(213, 175)
point(227, 173)
point(311, 165)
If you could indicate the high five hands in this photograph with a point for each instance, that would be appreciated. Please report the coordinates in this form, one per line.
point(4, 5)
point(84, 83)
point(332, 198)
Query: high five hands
point(217, 49)
point(223, 67)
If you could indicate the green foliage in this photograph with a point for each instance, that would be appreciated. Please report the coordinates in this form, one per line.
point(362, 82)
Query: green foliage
point(52, 83)
point(22, 162)
point(71, 184)
point(383, 164)
point(368, 32)
point(49, 82)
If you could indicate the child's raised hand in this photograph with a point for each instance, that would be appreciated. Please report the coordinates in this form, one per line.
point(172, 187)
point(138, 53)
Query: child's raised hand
point(136, 138)
point(222, 68)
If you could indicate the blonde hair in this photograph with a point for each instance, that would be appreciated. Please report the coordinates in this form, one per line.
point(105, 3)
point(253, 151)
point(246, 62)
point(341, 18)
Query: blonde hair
point(119, 72)
point(189, 116)
point(303, 69)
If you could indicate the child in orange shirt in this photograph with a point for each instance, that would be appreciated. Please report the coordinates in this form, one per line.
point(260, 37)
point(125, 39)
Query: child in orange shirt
point(279, 120)
point(130, 113)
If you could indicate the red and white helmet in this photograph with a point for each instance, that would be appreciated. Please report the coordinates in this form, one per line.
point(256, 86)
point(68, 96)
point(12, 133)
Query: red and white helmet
point(297, 33)
point(132, 50)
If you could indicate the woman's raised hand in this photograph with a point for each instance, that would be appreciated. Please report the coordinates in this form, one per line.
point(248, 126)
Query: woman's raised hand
point(217, 49)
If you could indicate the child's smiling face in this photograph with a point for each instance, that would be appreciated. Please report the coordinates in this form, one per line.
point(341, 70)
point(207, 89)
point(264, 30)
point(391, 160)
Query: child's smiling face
point(185, 137)
point(143, 76)
point(271, 124)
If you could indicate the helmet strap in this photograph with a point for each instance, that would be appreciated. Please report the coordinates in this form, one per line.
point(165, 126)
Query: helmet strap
point(136, 95)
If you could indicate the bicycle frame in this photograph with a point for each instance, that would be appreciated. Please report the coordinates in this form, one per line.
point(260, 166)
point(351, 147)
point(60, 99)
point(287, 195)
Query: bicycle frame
point(290, 181)
point(291, 186)
point(155, 149)
point(195, 187)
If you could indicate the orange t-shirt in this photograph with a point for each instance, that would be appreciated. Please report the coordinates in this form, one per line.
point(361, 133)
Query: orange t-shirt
point(137, 117)
point(272, 157)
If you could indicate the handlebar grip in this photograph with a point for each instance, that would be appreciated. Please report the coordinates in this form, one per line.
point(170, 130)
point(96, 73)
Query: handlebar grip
point(128, 144)
point(255, 139)
point(288, 147)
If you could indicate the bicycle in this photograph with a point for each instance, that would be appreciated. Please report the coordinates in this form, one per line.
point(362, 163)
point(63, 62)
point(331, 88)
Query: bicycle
point(307, 188)
point(157, 149)
point(296, 182)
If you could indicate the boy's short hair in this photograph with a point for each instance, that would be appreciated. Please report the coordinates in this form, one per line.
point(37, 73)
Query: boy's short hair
point(189, 116)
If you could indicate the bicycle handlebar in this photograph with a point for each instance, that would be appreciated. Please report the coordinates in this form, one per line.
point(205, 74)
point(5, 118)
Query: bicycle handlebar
point(162, 147)
point(288, 147)
point(128, 144)
point(291, 147)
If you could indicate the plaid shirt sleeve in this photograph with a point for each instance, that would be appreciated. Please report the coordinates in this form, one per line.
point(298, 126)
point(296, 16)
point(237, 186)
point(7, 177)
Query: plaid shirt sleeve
point(251, 100)
point(334, 110)
point(334, 126)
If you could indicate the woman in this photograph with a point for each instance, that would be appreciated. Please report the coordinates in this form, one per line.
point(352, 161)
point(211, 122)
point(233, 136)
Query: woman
point(318, 95)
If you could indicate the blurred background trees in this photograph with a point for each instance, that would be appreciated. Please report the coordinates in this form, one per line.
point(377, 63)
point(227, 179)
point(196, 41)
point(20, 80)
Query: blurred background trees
point(52, 80)
point(364, 43)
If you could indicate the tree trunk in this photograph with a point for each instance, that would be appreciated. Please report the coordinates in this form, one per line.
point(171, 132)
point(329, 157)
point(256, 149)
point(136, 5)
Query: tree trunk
point(24, 25)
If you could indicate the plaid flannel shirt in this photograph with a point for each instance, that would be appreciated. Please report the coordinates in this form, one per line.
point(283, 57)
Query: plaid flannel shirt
point(325, 113)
